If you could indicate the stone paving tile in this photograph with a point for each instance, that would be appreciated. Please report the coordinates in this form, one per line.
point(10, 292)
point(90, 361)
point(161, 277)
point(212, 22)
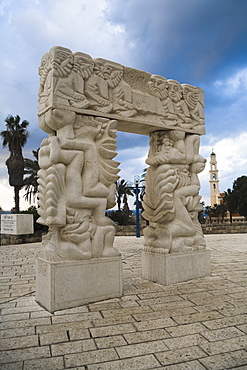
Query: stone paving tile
point(12, 366)
point(220, 306)
point(146, 362)
point(15, 317)
point(111, 341)
point(190, 365)
point(43, 329)
point(19, 342)
point(126, 311)
point(229, 321)
point(220, 334)
point(91, 357)
point(76, 334)
point(143, 348)
point(169, 307)
point(105, 331)
point(15, 310)
point(53, 363)
point(24, 354)
point(70, 311)
point(38, 314)
point(154, 324)
point(104, 306)
point(178, 331)
point(113, 320)
point(185, 341)
point(225, 360)
point(145, 336)
point(197, 317)
point(51, 338)
point(25, 323)
point(161, 300)
point(226, 345)
point(76, 317)
point(73, 347)
point(164, 313)
point(17, 332)
point(169, 294)
point(239, 309)
point(180, 355)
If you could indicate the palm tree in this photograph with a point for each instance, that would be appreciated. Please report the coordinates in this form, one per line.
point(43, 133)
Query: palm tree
point(30, 181)
point(209, 211)
point(15, 137)
point(121, 190)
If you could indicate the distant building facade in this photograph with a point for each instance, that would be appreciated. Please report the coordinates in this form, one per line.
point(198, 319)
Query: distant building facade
point(216, 197)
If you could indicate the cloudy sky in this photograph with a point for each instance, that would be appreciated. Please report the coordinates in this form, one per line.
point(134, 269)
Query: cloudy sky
point(199, 42)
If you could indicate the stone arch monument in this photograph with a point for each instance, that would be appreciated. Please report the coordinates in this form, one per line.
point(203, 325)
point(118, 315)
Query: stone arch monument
point(83, 102)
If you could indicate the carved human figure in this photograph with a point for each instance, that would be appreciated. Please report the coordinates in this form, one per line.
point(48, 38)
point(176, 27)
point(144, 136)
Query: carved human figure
point(73, 196)
point(158, 87)
point(120, 92)
point(193, 97)
point(171, 202)
point(97, 89)
point(71, 74)
point(180, 108)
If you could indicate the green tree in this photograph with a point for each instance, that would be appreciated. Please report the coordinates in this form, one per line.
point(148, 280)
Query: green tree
point(121, 190)
point(240, 192)
point(15, 137)
point(231, 202)
point(31, 177)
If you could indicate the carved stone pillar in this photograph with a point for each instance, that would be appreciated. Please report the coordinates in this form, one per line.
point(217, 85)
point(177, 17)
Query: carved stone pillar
point(174, 245)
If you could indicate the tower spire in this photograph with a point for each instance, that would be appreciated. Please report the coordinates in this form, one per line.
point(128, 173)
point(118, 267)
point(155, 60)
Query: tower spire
point(213, 180)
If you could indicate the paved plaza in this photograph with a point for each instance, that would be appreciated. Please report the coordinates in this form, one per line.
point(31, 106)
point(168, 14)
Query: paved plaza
point(200, 324)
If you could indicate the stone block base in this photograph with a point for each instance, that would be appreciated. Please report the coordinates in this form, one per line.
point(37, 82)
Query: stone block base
point(174, 268)
point(62, 285)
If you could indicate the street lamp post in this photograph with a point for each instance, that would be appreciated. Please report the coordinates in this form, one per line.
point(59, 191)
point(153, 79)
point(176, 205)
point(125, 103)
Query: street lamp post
point(136, 189)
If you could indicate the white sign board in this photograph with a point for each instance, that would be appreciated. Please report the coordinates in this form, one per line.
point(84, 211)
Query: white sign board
point(17, 224)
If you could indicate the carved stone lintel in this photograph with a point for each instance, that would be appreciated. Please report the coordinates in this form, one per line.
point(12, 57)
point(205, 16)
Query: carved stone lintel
point(78, 83)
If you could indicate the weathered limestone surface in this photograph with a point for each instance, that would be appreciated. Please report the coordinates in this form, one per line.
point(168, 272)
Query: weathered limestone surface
point(82, 103)
point(82, 282)
point(141, 102)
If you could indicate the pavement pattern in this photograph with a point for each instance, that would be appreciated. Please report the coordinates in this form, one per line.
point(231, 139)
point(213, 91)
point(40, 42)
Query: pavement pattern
point(200, 324)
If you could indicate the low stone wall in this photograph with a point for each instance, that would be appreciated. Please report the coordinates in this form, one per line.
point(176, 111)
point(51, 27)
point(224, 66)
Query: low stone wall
point(130, 230)
point(7, 239)
point(236, 228)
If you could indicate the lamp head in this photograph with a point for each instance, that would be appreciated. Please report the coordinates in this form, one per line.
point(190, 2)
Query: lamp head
point(136, 179)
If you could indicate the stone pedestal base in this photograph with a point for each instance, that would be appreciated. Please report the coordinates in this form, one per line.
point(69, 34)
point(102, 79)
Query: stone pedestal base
point(174, 268)
point(62, 285)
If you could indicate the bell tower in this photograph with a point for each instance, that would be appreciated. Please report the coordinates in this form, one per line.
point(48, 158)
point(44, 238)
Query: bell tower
point(213, 180)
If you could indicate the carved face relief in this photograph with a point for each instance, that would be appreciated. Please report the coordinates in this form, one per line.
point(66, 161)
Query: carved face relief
point(174, 90)
point(157, 86)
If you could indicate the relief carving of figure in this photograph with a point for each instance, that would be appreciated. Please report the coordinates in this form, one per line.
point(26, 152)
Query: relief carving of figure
point(71, 73)
point(158, 87)
point(172, 199)
point(75, 80)
point(76, 186)
point(97, 89)
point(180, 108)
